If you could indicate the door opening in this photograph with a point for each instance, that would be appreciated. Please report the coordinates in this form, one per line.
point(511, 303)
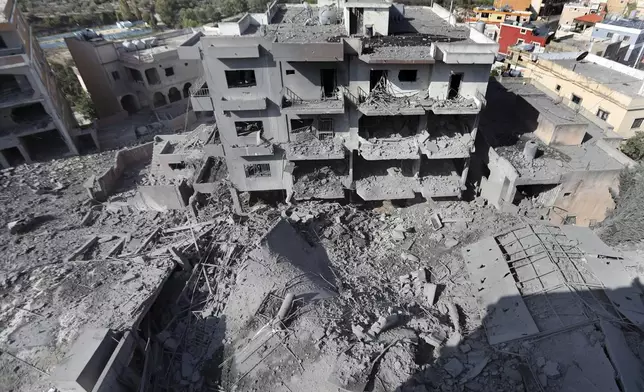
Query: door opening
point(454, 85)
point(375, 76)
point(328, 82)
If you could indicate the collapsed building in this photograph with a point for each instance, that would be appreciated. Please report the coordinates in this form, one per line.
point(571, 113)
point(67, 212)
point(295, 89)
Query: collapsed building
point(537, 150)
point(138, 81)
point(368, 99)
point(35, 118)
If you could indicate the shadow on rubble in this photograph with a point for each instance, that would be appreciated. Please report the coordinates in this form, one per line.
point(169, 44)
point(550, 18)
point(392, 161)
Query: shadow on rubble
point(558, 339)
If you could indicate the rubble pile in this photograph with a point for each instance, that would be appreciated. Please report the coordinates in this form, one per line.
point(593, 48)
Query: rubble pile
point(236, 293)
point(406, 148)
point(321, 182)
point(308, 144)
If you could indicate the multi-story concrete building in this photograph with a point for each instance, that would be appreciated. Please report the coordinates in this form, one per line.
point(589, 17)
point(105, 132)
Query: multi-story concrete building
point(519, 34)
point(608, 92)
point(124, 77)
point(372, 98)
point(571, 11)
point(630, 32)
point(491, 15)
point(35, 119)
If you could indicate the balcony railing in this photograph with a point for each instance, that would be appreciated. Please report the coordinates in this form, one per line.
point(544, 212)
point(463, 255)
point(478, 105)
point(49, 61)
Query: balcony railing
point(202, 92)
point(198, 87)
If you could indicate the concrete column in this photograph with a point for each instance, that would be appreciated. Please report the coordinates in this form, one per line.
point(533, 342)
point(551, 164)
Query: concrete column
point(24, 152)
point(3, 161)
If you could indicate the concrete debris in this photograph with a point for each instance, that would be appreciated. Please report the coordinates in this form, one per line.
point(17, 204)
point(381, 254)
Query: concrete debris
point(250, 294)
point(454, 367)
point(551, 369)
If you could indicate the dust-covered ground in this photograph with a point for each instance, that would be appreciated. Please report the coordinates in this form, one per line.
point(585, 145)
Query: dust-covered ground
point(381, 299)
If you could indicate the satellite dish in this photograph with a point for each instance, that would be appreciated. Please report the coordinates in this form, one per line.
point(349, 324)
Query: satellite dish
point(581, 56)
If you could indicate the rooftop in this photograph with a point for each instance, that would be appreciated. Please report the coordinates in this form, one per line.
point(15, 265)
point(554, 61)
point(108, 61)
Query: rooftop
point(628, 23)
point(590, 18)
point(290, 25)
point(609, 77)
point(554, 160)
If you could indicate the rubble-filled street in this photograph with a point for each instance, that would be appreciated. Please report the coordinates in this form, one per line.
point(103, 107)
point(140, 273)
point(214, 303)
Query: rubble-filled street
point(309, 296)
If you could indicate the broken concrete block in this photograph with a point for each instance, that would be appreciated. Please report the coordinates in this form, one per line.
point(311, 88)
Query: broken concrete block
point(419, 276)
point(83, 248)
point(551, 369)
point(436, 221)
point(429, 293)
point(450, 242)
point(465, 348)
point(382, 324)
point(358, 331)
point(435, 338)
point(398, 235)
point(541, 361)
point(453, 316)
point(409, 257)
point(454, 367)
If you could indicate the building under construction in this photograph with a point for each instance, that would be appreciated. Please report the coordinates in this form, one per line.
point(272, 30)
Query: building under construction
point(372, 99)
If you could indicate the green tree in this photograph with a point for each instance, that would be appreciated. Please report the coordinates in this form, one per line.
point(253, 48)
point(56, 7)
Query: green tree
point(124, 10)
point(634, 146)
point(168, 11)
point(137, 13)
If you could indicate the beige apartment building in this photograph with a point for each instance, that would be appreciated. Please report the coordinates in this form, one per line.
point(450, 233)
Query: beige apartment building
point(609, 92)
point(36, 121)
point(123, 77)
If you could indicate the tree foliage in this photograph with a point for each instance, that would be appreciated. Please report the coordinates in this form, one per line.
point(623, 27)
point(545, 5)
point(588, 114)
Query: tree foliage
point(634, 147)
point(72, 90)
point(124, 10)
point(626, 222)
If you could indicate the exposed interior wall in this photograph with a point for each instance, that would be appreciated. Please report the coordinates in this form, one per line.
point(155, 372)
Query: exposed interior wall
point(237, 174)
point(305, 82)
point(475, 79)
point(499, 187)
point(101, 187)
point(95, 77)
point(378, 18)
point(586, 196)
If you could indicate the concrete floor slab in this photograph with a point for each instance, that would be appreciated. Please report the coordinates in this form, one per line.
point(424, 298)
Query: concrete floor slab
point(505, 314)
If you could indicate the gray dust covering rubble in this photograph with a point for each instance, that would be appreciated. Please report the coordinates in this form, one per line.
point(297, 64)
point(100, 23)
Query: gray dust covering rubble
point(238, 292)
point(320, 182)
point(308, 144)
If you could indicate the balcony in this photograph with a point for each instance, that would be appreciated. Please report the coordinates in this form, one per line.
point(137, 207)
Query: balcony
point(305, 145)
point(12, 51)
point(28, 128)
point(320, 180)
point(440, 178)
point(381, 101)
point(200, 96)
point(445, 145)
point(385, 149)
point(240, 104)
point(14, 96)
point(458, 104)
point(333, 104)
point(385, 180)
point(264, 149)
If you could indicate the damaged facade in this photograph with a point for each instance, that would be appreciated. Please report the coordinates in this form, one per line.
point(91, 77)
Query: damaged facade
point(35, 118)
point(137, 82)
point(374, 99)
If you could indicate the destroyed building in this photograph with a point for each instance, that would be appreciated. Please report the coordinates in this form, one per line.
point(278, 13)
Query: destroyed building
point(538, 150)
point(36, 120)
point(126, 78)
point(372, 99)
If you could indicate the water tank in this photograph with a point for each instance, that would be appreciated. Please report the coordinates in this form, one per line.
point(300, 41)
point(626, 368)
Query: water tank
point(328, 15)
point(530, 150)
point(139, 44)
point(480, 26)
